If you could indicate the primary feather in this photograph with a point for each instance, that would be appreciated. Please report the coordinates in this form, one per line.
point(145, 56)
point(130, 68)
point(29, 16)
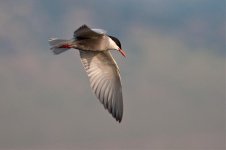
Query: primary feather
point(105, 81)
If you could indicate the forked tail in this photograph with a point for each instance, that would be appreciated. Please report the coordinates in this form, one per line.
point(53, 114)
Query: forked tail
point(59, 45)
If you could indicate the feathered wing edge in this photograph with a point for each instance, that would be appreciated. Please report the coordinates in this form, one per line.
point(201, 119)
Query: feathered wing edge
point(105, 81)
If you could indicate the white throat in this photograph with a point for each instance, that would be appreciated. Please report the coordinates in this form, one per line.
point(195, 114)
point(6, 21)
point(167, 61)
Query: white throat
point(112, 44)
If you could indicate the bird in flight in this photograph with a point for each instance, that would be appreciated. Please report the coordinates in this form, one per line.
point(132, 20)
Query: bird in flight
point(104, 76)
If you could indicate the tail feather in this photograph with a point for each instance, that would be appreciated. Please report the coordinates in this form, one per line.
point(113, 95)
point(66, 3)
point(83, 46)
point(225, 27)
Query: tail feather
point(59, 45)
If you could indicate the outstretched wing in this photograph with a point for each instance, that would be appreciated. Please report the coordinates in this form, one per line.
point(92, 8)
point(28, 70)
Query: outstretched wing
point(105, 81)
point(84, 32)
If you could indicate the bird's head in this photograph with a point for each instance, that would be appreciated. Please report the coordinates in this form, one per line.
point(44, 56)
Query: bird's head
point(116, 45)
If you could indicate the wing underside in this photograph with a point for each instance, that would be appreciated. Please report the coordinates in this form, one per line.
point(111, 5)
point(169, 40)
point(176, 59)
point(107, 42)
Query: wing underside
point(105, 81)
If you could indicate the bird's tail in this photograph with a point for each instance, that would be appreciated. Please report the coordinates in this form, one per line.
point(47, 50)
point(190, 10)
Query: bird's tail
point(59, 45)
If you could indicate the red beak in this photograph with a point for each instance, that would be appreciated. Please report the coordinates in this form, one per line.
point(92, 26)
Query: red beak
point(122, 52)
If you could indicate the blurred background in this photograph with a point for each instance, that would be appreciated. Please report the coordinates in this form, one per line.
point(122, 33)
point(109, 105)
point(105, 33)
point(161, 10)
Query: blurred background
point(173, 76)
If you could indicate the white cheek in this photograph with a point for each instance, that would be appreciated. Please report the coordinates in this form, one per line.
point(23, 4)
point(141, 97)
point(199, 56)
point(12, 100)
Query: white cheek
point(112, 44)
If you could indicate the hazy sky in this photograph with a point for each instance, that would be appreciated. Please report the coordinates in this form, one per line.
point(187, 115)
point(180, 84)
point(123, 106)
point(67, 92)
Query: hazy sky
point(173, 76)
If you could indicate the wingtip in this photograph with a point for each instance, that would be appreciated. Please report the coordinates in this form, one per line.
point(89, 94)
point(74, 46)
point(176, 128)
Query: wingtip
point(118, 118)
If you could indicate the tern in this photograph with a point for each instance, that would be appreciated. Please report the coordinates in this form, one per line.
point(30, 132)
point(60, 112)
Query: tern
point(104, 76)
